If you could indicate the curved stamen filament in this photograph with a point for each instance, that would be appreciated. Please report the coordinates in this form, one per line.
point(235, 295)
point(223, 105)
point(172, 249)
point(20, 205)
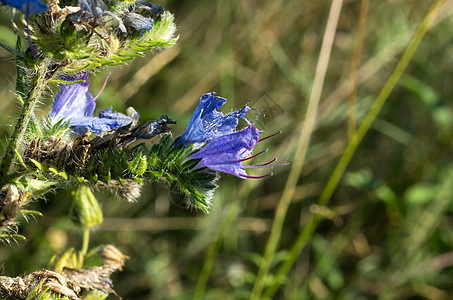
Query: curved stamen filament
point(250, 157)
point(102, 89)
point(266, 165)
point(263, 139)
point(262, 165)
point(257, 177)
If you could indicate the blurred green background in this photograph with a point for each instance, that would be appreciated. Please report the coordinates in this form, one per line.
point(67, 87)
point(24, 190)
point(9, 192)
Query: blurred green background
point(388, 229)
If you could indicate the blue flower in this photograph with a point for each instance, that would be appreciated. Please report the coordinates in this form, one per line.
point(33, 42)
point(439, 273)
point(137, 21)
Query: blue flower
point(208, 123)
point(26, 7)
point(228, 152)
point(75, 104)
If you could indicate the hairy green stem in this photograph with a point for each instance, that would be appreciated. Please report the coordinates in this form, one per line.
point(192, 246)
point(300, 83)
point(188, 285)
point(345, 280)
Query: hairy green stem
point(334, 179)
point(33, 96)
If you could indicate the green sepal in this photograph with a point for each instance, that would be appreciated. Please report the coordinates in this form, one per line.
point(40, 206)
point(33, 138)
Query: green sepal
point(170, 177)
point(37, 164)
point(4, 236)
point(56, 172)
point(60, 81)
point(31, 212)
point(95, 178)
point(157, 174)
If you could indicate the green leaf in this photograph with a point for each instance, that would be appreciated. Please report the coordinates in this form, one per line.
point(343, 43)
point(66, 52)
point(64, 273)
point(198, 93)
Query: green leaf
point(11, 50)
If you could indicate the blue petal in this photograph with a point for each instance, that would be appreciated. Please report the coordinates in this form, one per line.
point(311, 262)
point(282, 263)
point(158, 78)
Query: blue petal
point(106, 120)
point(121, 118)
point(96, 125)
point(27, 7)
point(73, 100)
point(207, 123)
point(138, 22)
point(158, 10)
point(226, 153)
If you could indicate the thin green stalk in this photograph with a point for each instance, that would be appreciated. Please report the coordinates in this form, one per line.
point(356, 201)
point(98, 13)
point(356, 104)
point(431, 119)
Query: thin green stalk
point(304, 139)
point(34, 94)
point(84, 250)
point(352, 147)
point(86, 241)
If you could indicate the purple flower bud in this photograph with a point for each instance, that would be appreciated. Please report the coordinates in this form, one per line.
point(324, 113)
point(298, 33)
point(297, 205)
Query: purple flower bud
point(26, 7)
point(75, 104)
point(228, 152)
point(208, 123)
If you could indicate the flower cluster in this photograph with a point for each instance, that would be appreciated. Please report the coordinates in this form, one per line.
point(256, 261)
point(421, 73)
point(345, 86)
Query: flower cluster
point(212, 134)
point(225, 149)
point(101, 154)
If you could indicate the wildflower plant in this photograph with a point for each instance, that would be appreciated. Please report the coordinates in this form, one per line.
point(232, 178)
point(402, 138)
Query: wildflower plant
point(62, 43)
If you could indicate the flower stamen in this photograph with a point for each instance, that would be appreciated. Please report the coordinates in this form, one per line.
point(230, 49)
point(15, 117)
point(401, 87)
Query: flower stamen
point(257, 177)
point(102, 89)
point(262, 165)
point(269, 136)
point(253, 156)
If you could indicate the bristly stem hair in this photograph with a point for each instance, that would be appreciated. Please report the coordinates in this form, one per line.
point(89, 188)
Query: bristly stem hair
point(37, 86)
